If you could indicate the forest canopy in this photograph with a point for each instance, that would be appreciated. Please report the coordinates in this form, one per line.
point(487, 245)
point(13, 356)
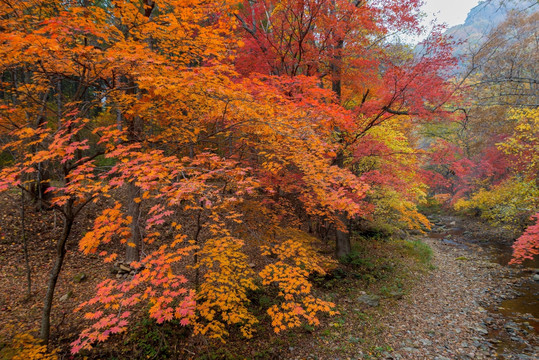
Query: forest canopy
point(214, 146)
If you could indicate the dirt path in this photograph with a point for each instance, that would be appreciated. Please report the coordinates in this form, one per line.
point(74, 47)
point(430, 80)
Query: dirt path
point(445, 315)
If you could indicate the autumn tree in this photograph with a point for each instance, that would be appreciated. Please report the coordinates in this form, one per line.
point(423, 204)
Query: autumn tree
point(486, 155)
point(341, 46)
point(173, 121)
point(46, 128)
point(250, 119)
point(63, 64)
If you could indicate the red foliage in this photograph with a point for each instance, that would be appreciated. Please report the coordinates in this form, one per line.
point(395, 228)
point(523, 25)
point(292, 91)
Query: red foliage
point(527, 245)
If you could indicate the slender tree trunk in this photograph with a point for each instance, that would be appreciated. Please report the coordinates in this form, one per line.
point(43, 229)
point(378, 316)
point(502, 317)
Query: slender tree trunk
point(195, 258)
point(134, 244)
point(342, 237)
point(25, 250)
point(343, 245)
point(44, 332)
point(132, 252)
point(336, 70)
point(133, 193)
point(135, 131)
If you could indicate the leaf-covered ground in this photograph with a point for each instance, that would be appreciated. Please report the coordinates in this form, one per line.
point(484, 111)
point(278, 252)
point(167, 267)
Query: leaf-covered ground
point(431, 302)
point(454, 311)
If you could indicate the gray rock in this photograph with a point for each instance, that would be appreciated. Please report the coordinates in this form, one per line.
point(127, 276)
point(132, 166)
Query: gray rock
point(481, 329)
point(66, 296)
point(511, 327)
point(80, 278)
point(476, 343)
point(535, 277)
point(426, 342)
point(370, 300)
point(125, 268)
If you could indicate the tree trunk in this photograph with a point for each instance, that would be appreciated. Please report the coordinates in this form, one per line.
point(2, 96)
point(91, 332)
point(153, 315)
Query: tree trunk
point(342, 238)
point(25, 250)
point(44, 332)
point(336, 70)
point(343, 246)
point(134, 132)
point(134, 244)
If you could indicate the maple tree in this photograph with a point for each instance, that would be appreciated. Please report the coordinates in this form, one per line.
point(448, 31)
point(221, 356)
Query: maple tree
point(50, 121)
point(251, 119)
point(339, 44)
point(486, 158)
point(113, 61)
point(527, 245)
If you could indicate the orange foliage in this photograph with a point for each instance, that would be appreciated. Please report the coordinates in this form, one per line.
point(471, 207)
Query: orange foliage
point(160, 99)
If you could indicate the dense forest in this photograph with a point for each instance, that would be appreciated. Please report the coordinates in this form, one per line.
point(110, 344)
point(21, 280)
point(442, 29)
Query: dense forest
point(204, 167)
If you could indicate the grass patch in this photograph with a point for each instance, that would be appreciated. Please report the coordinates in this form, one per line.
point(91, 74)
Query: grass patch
point(419, 250)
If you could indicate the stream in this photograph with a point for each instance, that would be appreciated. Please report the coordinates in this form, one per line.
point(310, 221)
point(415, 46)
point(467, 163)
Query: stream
point(517, 311)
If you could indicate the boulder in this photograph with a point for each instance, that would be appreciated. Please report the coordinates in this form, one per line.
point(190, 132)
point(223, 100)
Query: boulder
point(125, 268)
point(369, 300)
point(67, 296)
point(80, 278)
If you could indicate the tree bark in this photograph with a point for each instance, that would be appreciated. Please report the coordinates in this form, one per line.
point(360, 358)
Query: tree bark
point(25, 250)
point(135, 129)
point(336, 69)
point(44, 332)
point(134, 245)
point(343, 246)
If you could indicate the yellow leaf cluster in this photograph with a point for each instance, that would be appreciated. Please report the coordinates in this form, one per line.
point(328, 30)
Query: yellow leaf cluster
point(24, 346)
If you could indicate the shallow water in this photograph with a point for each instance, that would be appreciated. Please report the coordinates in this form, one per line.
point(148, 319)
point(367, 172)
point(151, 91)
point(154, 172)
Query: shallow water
point(527, 302)
point(522, 309)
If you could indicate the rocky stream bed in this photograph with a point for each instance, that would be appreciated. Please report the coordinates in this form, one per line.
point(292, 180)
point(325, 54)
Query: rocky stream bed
point(473, 305)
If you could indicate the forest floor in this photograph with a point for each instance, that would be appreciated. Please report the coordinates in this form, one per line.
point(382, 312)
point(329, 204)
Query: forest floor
point(471, 306)
point(443, 295)
point(468, 306)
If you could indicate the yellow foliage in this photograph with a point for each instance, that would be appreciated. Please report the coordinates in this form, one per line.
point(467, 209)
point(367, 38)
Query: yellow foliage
point(26, 347)
point(396, 196)
point(296, 260)
point(504, 204)
point(524, 142)
point(222, 297)
point(394, 208)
